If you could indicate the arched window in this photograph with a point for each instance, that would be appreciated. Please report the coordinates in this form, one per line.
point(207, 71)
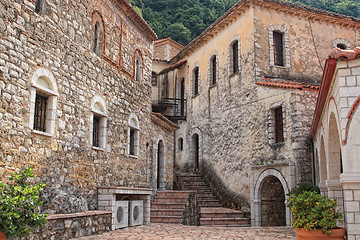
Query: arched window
point(196, 73)
point(213, 70)
point(98, 123)
point(234, 55)
point(138, 68)
point(97, 38)
point(341, 43)
point(43, 102)
point(133, 136)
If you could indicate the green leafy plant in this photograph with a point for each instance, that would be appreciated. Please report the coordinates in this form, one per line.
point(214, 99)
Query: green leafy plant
point(304, 187)
point(19, 201)
point(312, 211)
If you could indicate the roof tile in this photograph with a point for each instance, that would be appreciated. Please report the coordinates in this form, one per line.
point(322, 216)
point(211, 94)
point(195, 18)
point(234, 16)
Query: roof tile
point(282, 83)
point(340, 54)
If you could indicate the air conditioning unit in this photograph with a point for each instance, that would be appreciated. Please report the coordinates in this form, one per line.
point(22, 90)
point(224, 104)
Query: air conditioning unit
point(121, 214)
point(136, 213)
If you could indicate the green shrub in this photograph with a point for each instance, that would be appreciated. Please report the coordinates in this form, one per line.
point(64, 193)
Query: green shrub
point(304, 187)
point(19, 201)
point(312, 211)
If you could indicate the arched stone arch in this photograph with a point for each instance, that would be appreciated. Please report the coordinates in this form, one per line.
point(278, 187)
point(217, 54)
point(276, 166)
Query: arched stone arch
point(98, 122)
point(98, 105)
point(257, 194)
point(196, 141)
point(133, 136)
point(43, 94)
point(160, 151)
point(341, 42)
point(97, 44)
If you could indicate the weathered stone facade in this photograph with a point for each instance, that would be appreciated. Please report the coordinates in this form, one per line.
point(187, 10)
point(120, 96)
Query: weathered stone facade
point(88, 59)
point(229, 130)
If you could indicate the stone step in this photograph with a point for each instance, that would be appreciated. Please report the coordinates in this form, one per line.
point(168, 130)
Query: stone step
point(167, 212)
point(172, 193)
point(168, 205)
point(223, 221)
point(165, 219)
point(210, 204)
point(170, 200)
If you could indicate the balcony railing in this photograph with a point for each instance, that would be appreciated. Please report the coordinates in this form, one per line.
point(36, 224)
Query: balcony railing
point(172, 108)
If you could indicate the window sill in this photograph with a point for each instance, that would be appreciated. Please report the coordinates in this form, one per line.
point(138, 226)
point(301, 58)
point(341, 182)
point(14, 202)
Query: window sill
point(196, 95)
point(278, 144)
point(234, 74)
point(42, 133)
point(133, 156)
point(98, 149)
point(280, 67)
point(213, 85)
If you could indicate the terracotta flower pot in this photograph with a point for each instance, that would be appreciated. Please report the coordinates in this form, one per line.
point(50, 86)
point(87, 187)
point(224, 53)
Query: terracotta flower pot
point(336, 234)
point(2, 236)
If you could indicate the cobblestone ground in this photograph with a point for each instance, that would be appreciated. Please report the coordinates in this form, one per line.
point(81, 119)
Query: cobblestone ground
point(176, 231)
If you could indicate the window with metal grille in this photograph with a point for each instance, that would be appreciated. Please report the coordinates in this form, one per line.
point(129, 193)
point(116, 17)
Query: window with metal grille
point(278, 49)
point(132, 142)
point(154, 78)
point(96, 131)
point(40, 113)
point(279, 125)
point(196, 81)
point(235, 55)
point(213, 72)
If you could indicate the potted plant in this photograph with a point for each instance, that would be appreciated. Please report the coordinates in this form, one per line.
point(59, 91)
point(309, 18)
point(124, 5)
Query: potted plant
point(315, 216)
point(19, 202)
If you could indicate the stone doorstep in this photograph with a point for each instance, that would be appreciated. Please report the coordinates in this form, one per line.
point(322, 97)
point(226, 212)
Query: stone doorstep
point(166, 219)
point(77, 215)
point(167, 212)
point(167, 206)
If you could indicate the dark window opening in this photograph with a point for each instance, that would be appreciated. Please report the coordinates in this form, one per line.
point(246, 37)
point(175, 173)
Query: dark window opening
point(278, 49)
point(39, 6)
point(154, 78)
point(213, 66)
point(40, 113)
point(279, 131)
point(196, 81)
point(341, 46)
point(137, 71)
point(132, 142)
point(96, 131)
point(96, 37)
point(180, 144)
point(235, 54)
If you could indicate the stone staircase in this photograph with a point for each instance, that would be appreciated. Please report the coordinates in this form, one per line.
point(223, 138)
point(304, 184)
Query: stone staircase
point(211, 213)
point(168, 206)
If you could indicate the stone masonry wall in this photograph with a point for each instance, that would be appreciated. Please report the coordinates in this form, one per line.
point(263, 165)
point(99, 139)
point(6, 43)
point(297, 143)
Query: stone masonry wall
point(59, 40)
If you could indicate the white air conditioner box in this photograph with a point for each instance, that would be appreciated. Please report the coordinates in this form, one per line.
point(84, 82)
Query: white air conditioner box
point(136, 213)
point(121, 214)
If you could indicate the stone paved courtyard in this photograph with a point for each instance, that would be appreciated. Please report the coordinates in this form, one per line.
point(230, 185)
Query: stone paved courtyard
point(177, 231)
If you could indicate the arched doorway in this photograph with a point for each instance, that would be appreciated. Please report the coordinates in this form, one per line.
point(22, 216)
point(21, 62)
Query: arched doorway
point(272, 202)
point(160, 165)
point(195, 140)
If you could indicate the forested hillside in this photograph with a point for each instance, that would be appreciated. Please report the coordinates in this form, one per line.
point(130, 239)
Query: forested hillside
point(183, 20)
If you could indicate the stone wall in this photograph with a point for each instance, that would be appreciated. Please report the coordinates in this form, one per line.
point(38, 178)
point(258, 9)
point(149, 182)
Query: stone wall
point(68, 226)
point(58, 41)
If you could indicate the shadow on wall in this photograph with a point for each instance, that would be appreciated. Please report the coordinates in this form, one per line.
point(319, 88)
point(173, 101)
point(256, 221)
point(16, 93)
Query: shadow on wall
point(226, 197)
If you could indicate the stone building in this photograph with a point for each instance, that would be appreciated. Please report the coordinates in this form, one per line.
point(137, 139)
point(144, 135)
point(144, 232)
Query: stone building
point(75, 101)
point(335, 135)
point(245, 91)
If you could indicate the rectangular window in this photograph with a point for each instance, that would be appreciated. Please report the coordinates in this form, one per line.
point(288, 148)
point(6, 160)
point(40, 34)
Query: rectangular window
point(213, 70)
point(180, 144)
point(154, 79)
point(278, 49)
point(279, 125)
point(132, 142)
point(235, 57)
point(96, 131)
point(40, 113)
point(196, 81)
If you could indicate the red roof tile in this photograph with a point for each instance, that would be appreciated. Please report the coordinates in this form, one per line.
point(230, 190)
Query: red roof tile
point(281, 83)
point(337, 53)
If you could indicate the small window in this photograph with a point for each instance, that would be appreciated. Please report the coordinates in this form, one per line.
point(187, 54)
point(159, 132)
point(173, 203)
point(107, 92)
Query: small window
point(40, 113)
point(39, 6)
point(154, 79)
point(133, 136)
point(341, 46)
point(279, 125)
point(137, 71)
point(180, 144)
point(278, 48)
point(235, 57)
point(196, 81)
point(213, 70)
point(96, 131)
point(96, 37)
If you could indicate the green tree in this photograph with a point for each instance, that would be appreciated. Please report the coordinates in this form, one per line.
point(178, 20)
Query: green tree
point(179, 33)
